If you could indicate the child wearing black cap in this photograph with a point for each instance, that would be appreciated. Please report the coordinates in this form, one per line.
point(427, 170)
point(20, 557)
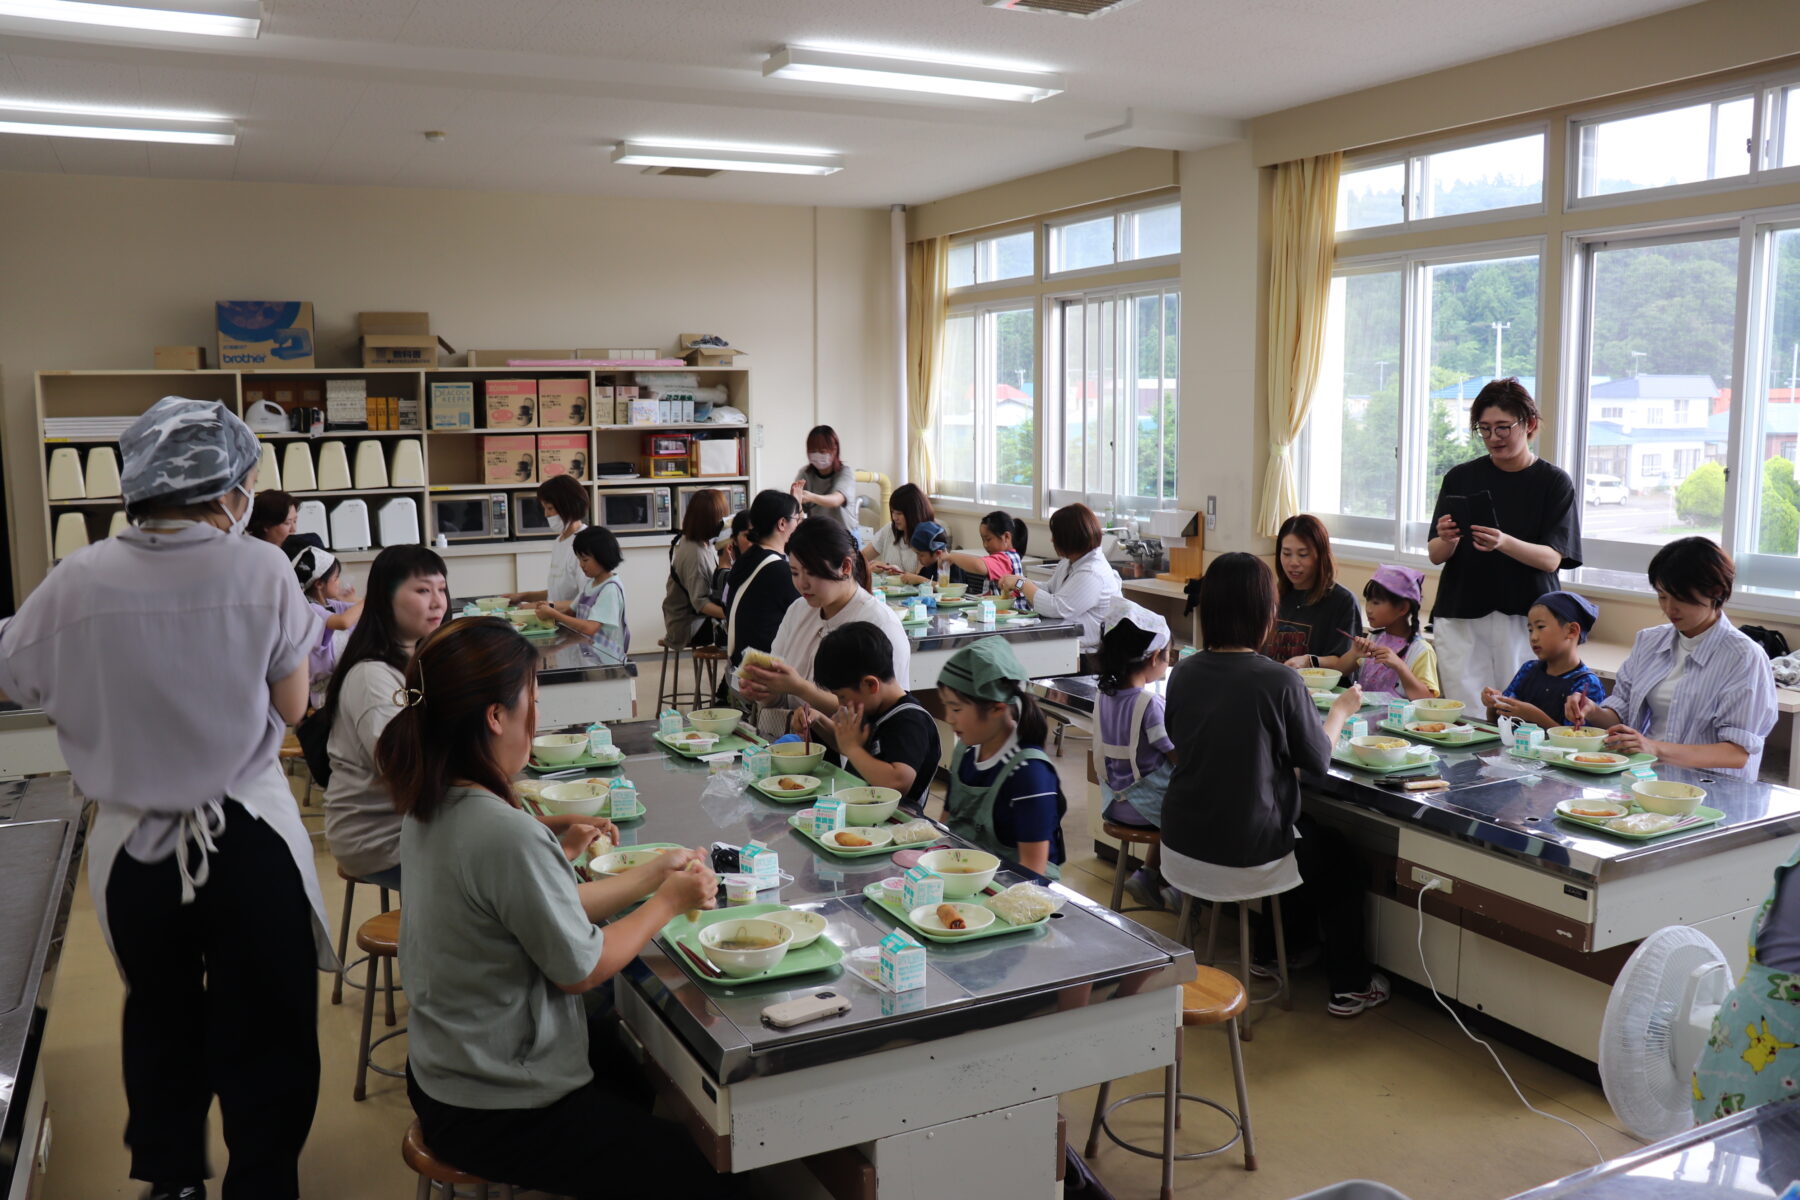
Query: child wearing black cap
point(1557, 624)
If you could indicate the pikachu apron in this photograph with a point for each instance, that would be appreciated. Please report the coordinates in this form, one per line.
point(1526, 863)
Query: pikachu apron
point(1753, 1054)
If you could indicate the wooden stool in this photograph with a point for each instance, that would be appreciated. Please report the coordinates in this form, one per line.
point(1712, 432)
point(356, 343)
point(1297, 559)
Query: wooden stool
point(1212, 998)
point(708, 658)
point(433, 1172)
point(377, 938)
point(706, 661)
point(1184, 930)
point(1127, 836)
point(345, 966)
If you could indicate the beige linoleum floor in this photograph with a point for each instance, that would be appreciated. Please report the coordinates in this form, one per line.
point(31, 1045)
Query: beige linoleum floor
point(1396, 1095)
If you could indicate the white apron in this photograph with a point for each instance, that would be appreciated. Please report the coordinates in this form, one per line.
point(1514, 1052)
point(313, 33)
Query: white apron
point(268, 799)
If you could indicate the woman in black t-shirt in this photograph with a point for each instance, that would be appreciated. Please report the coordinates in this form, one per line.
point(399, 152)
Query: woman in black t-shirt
point(761, 587)
point(1493, 573)
point(1316, 614)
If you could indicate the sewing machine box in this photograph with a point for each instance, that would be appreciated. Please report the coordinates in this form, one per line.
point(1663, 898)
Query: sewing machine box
point(511, 403)
point(562, 454)
point(603, 405)
point(453, 405)
point(399, 339)
point(902, 963)
point(509, 460)
point(264, 334)
point(562, 402)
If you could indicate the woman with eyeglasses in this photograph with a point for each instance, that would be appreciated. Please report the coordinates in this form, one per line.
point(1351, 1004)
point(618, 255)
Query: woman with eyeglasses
point(1502, 527)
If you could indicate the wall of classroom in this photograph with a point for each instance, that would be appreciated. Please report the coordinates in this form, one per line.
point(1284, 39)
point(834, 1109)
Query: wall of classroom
point(97, 271)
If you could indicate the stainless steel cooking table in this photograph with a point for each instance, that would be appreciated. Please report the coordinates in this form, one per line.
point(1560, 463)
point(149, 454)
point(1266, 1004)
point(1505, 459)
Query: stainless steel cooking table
point(1045, 646)
point(975, 1058)
point(43, 823)
point(1751, 1156)
point(578, 682)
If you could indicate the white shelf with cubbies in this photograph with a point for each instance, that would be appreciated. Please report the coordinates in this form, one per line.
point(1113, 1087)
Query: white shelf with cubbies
point(376, 456)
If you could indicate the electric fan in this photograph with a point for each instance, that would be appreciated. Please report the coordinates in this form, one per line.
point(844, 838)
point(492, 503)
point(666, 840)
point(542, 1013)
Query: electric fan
point(1657, 1022)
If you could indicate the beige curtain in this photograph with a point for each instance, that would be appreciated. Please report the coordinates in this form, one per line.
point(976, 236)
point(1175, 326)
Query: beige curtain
point(927, 284)
point(1304, 225)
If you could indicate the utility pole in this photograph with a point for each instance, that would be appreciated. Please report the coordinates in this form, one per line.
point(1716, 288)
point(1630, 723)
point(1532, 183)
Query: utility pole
point(1499, 328)
point(1381, 372)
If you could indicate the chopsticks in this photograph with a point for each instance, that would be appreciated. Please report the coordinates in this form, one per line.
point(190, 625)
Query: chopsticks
point(700, 964)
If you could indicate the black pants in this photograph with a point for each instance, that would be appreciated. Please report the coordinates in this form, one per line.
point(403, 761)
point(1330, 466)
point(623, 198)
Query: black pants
point(597, 1143)
point(1326, 910)
point(221, 998)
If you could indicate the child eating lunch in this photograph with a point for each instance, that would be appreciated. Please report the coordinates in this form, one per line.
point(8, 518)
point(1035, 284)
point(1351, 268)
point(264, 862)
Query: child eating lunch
point(1395, 658)
point(879, 731)
point(1004, 794)
point(1139, 757)
point(321, 579)
point(931, 542)
point(1557, 625)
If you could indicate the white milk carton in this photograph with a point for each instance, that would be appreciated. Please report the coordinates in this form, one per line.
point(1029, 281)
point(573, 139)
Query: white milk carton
point(764, 864)
point(1399, 712)
point(1356, 727)
point(920, 886)
point(622, 800)
point(902, 962)
point(758, 762)
point(669, 723)
point(1526, 739)
point(827, 816)
point(599, 740)
point(985, 612)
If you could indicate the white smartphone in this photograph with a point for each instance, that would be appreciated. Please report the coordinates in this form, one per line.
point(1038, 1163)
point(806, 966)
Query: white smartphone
point(808, 1008)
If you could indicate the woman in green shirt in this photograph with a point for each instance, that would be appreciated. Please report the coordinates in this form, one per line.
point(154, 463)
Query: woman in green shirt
point(500, 941)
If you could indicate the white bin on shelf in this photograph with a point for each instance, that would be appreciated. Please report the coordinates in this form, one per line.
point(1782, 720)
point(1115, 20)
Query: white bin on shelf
point(66, 479)
point(400, 522)
point(71, 534)
point(371, 465)
point(102, 473)
point(311, 519)
point(118, 525)
point(407, 468)
point(350, 526)
point(297, 469)
point(268, 469)
point(334, 467)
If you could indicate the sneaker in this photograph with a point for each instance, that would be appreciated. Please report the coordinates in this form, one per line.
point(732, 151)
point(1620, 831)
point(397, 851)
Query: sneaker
point(1144, 888)
point(1349, 1004)
point(1296, 962)
point(1171, 899)
point(175, 1191)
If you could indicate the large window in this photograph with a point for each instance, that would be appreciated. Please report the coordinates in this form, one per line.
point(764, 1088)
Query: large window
point(993, 259)
point(1114, 357)
point(1117, 238)
point(1492, 177)
point(1410, 341)
point(986, 438)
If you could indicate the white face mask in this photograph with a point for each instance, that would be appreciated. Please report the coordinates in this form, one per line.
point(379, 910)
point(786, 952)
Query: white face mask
point(555, 522)
point(820, 462)
point(241, 522)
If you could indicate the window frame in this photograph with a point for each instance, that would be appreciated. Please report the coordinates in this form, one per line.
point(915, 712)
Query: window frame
point(984, 313)
point(1054, 493)
point(1408, 157)
point(1119, 216)
point(1399, 534)
point(1011, 281)
point(1761, 89)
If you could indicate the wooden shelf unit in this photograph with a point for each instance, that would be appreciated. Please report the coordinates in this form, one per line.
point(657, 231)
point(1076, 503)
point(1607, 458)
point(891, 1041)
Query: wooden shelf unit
point(452, 463)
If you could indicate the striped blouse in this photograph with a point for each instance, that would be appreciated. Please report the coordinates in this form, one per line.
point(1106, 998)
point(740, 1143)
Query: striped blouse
point(1725, 694)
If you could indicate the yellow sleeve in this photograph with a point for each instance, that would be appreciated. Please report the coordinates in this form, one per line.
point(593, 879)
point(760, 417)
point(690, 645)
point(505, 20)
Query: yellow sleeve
point(1422, 661)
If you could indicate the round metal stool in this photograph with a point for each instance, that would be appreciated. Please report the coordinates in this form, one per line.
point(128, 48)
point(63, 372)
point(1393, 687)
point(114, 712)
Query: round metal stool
point(379, 939)
point(1212, 998)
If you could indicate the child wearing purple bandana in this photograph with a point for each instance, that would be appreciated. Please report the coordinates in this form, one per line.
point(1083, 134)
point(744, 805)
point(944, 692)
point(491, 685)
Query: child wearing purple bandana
point(1394, 658)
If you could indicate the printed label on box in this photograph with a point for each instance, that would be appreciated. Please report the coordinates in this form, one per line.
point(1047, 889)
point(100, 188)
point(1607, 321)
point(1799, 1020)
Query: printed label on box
point(453, 406)
point(757, 859)
point(562, 454)
point(639, 412)
point(511, 403)
point(346, 401)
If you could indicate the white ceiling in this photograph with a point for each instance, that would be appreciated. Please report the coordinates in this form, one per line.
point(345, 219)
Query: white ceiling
point(533, 93)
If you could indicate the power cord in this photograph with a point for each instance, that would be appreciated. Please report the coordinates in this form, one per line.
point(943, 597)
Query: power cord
point(1434, 885)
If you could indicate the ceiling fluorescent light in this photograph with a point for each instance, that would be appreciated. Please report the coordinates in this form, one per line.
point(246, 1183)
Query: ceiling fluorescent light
point(217, 18)
point(910, 75)
point(118, 126)
point(725, 158)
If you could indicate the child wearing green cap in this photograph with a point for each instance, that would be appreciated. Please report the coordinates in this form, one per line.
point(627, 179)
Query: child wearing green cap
point(1004, 793)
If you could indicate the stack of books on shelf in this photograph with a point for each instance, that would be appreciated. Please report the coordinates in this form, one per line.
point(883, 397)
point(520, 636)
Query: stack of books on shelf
point(86, 427)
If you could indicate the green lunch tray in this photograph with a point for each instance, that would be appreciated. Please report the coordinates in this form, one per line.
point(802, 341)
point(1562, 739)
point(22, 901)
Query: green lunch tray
point(1702, 817)
point(822, 955)
point(962, 602)
point(724, 745)
point(824, 773)
point(1343, 756)
point(538, 810)
point(586, 762)
point(901, 589)
point(803, 827)
point(875, 894)
point(1635, 760)
point(1483, 735)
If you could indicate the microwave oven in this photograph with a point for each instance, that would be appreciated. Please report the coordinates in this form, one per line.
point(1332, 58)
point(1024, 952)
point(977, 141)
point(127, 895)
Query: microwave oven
point(737, 498)
point(470, 517)
point(636, 510)
point(529, 520)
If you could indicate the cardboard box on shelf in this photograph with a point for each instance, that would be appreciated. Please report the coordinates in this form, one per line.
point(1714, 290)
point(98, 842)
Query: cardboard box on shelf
point(509, 459)
point(511, 403)
point(399, 339)
point(705, 356)
point(562, 454)
point(717, 456)
point(181, 358)
point(275, 334)
point(453, 405)
point(562, 402)
point(603, 406)
point(635, 412)
point(347, 403)
point(407, 413)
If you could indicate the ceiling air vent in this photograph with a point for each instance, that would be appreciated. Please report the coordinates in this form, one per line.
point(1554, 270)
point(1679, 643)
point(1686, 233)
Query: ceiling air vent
point(690, 172)
point(1085, 9)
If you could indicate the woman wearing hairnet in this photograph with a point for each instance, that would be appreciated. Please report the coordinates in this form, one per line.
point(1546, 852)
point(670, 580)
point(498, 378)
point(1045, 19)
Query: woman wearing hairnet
point(170, 657)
